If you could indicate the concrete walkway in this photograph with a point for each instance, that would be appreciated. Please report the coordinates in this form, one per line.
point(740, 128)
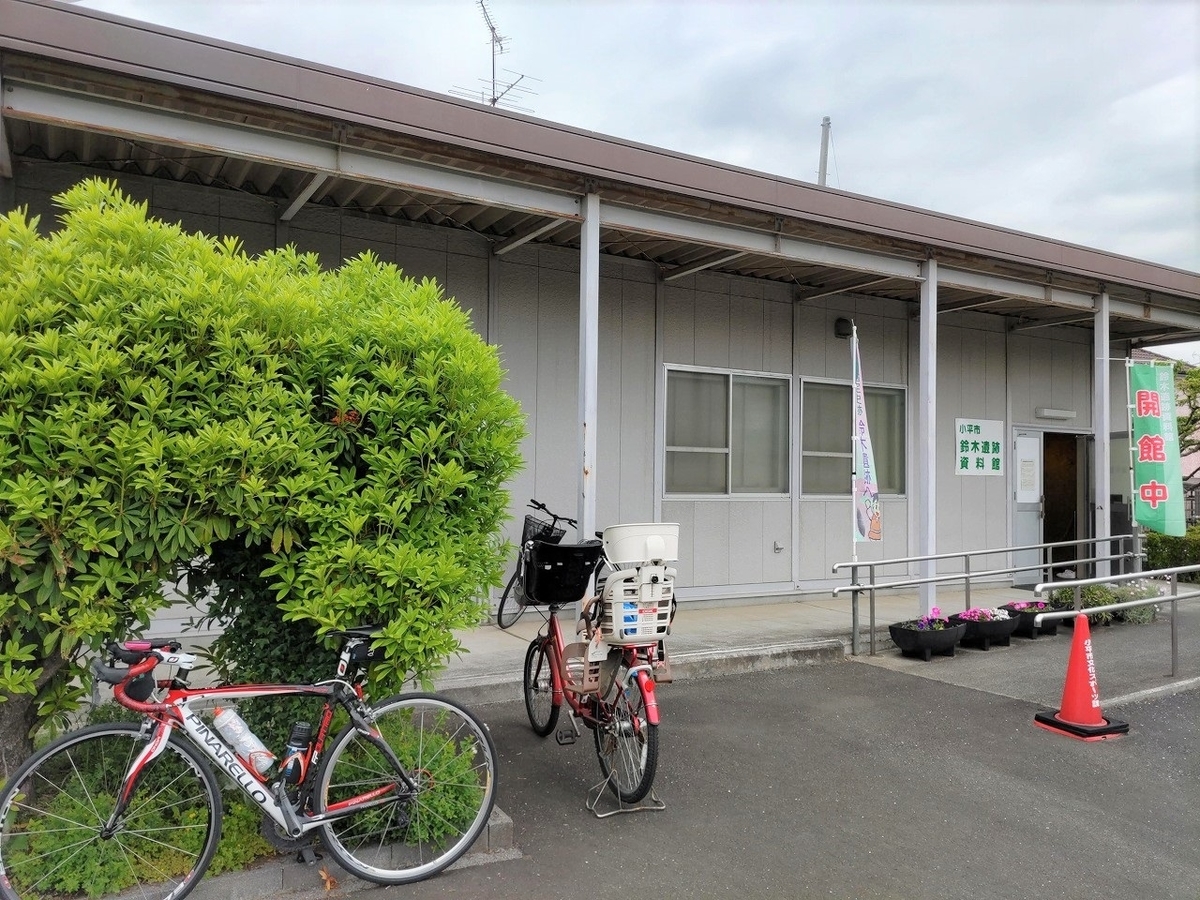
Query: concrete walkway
point(722, 639)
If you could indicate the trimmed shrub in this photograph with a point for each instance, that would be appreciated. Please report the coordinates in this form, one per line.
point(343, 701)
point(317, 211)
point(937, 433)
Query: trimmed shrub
point(1166, 552)
point(324, 449)
point(1095, 595)
point(1091, 596)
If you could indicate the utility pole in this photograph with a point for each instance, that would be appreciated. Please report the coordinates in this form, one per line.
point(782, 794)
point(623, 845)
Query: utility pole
point(823, 171)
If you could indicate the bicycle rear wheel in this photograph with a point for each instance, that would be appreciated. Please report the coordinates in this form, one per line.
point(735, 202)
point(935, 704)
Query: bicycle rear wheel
point(447, 751)
point(509, 610)
point(54, 810)
point(626, 743)
point(538, 684)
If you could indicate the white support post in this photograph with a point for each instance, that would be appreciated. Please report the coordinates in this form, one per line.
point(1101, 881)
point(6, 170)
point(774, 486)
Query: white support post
point(589, 366)
point(1101, 431)
point(926, 473)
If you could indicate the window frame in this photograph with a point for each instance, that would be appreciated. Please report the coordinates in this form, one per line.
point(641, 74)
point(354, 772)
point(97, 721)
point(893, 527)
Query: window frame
point(729, 494)
point(802, 454)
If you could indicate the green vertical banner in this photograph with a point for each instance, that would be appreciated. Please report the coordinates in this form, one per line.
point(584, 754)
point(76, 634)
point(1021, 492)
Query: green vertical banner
point(1154, 449)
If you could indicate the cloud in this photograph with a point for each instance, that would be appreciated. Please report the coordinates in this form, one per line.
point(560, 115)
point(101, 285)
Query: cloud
point(1076, 120)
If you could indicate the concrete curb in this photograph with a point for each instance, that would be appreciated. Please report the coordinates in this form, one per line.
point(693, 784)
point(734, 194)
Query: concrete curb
point(503, 687)
point(285, 875)
point(712, 663)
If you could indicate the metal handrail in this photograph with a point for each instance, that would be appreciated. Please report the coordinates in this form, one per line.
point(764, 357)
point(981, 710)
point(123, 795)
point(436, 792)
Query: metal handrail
point(1080, 583)
point(966, 576)
point(955, 554)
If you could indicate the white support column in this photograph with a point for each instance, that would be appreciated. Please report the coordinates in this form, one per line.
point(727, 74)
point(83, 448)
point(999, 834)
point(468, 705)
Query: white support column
point(589, 366)
point(1101, 431)
point(926, 470)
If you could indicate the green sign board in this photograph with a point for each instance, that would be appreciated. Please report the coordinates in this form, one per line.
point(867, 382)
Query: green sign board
point(1154, 449)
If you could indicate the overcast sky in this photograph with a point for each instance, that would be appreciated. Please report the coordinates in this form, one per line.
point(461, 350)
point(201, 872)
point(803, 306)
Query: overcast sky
point(1076, 120)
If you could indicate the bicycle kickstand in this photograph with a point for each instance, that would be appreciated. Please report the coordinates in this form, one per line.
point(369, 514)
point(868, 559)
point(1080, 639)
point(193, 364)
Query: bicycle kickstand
point(649, 803)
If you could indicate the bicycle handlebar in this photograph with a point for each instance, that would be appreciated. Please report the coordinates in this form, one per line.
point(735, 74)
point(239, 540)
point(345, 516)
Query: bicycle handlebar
point(142, 658)
point(541, 507)
point(113, 675)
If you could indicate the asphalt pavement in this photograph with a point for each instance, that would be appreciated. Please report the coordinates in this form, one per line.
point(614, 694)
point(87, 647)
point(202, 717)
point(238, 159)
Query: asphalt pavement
point(789, 769)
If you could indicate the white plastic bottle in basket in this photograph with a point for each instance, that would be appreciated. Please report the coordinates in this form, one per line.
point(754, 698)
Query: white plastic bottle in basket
point(245, 742)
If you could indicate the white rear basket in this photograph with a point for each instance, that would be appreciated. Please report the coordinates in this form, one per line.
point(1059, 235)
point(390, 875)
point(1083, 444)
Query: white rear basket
point(636, 605)
point(651, 542)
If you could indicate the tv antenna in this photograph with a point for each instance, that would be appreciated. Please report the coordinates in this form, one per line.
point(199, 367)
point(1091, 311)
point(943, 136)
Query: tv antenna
point(502, 94)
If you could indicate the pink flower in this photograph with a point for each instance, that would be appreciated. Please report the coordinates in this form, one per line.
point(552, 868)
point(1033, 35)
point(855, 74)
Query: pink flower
point(982, 614)
point(1029, 605)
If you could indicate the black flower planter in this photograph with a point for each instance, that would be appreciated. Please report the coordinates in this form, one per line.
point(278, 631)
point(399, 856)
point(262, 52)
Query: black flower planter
point(923, 644)
point(984, 634)
point(1025, 626)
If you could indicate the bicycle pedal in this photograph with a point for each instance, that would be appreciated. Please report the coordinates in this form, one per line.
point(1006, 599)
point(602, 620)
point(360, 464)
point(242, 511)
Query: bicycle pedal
point(565, 736)
point(308, 856)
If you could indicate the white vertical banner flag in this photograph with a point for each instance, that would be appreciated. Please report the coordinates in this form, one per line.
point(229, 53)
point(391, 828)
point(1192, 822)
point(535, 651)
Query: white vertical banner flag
point(864, 488)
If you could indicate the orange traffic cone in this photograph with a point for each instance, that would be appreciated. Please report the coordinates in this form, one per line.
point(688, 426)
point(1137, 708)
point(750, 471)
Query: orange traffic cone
point(1079, 714)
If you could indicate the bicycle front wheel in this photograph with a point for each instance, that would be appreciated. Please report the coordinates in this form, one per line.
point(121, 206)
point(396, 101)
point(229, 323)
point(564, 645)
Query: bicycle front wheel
point(538, 684)
point(509, 610)
point(392, 839)
point(55, 835)
point(626, 743)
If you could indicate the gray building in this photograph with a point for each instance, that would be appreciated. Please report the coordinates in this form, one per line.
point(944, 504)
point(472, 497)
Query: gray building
point(673, 327)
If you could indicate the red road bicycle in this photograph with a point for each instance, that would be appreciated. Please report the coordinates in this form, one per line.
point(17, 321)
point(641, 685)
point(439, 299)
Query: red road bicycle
point(400, 791)
point(607, 681)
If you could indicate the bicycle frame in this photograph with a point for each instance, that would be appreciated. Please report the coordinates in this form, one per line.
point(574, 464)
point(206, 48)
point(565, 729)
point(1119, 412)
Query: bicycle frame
point(640, 671)
point(175, 712)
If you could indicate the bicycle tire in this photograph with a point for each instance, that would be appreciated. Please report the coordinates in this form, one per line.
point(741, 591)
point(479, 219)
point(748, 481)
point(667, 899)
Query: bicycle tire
point(538, 685)
point(626, 744)
point(54, 806)
point(451, 755)
point(509, 609)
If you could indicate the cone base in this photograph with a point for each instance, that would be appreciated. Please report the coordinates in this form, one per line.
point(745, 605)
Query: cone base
point(1109, 728)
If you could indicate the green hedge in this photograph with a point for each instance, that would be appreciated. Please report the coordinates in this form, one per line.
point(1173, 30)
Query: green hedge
point(341, 438)
point(1166, 552)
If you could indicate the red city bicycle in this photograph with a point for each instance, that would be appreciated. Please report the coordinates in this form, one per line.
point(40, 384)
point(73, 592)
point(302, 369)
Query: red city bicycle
point(606, 681)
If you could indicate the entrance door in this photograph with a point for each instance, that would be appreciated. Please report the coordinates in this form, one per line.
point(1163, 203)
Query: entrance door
point(1048, 504)
point(1061, 470)
point(1028, 504)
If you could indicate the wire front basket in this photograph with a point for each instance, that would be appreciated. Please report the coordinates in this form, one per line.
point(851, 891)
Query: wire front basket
point(540, 530)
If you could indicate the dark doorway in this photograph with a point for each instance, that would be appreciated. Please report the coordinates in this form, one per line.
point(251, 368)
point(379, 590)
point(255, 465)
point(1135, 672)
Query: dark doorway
point(1060, 487)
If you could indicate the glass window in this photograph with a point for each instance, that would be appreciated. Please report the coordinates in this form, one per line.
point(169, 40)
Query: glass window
point(825, 413)
point(726, 433)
